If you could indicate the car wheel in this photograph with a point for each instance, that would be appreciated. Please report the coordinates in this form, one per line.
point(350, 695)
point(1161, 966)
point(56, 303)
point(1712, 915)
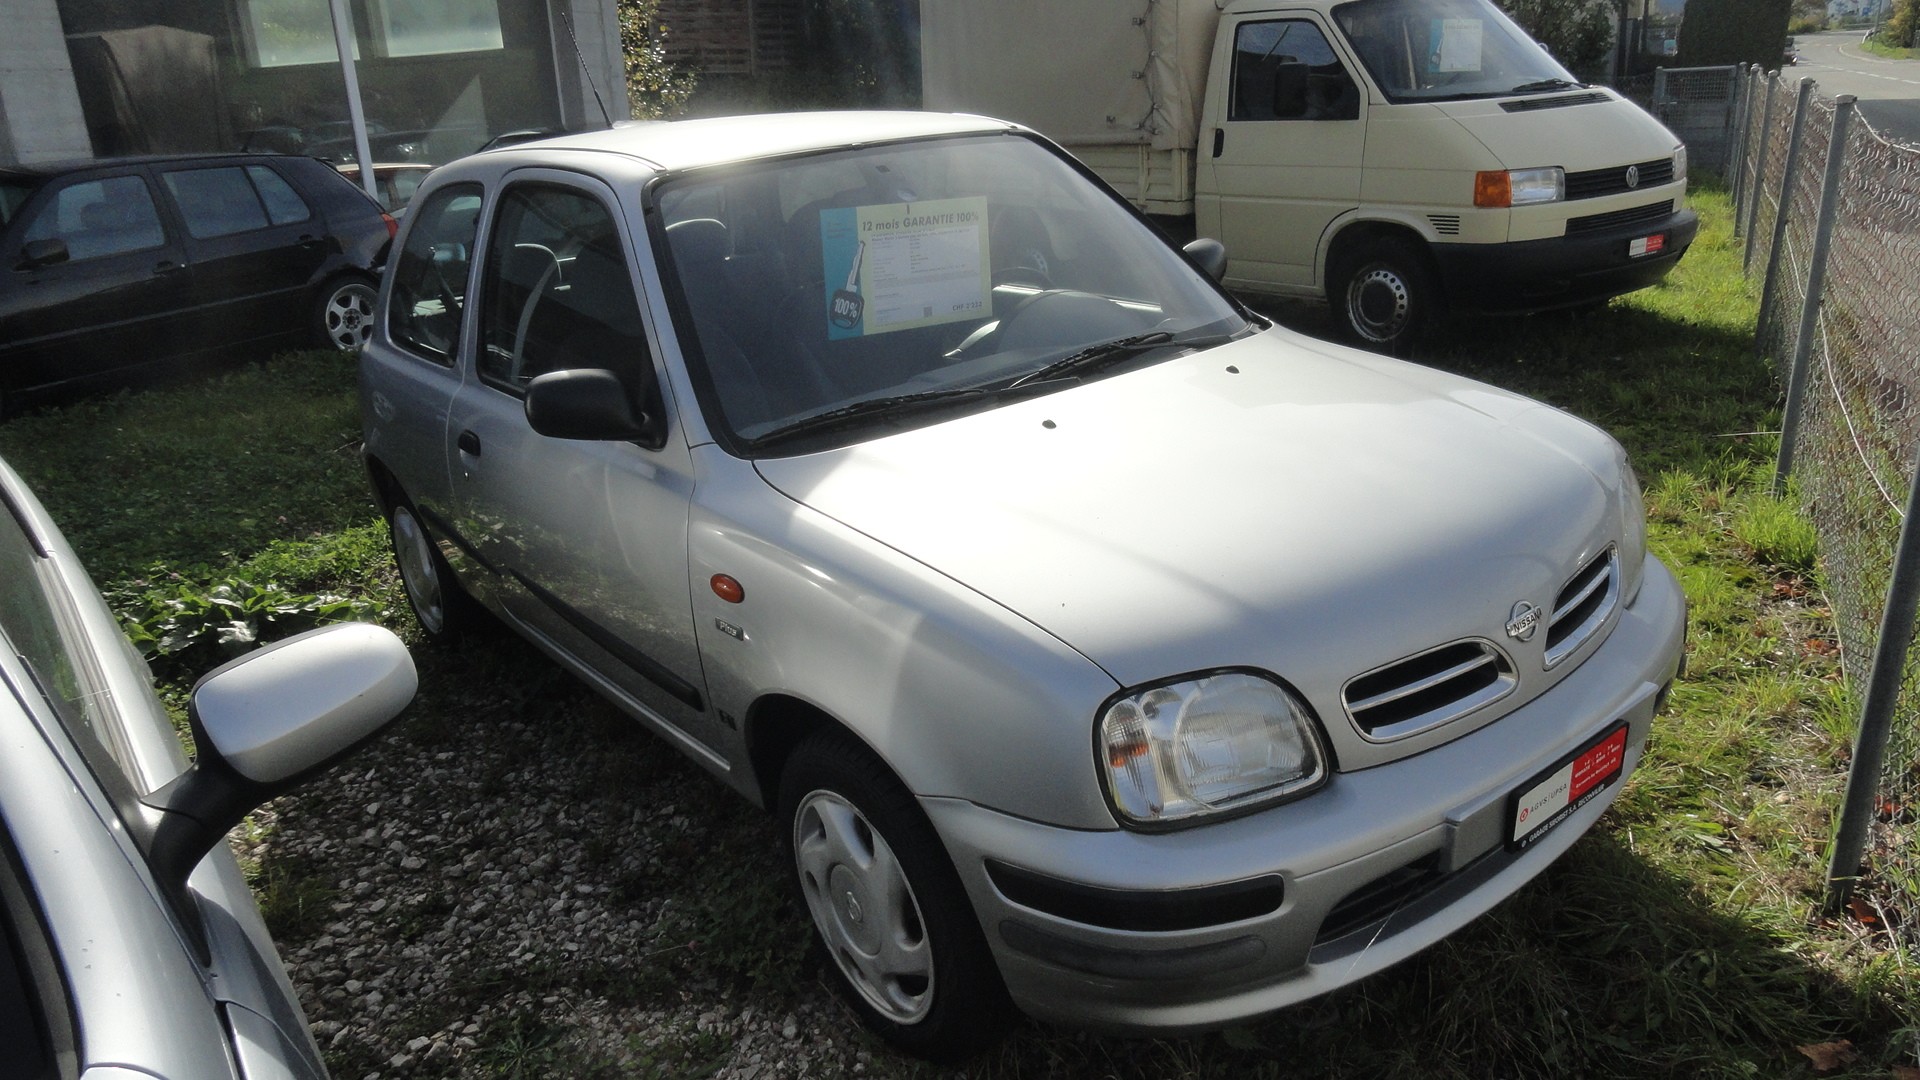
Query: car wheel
point(886, 905)
point(1384, 296)
point(344, 317)
point(440, 605)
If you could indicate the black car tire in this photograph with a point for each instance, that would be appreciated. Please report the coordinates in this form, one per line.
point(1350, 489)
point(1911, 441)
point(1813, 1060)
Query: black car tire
point(343, 314)
point(1384, 295)
point(442, 608)
point(901, 938)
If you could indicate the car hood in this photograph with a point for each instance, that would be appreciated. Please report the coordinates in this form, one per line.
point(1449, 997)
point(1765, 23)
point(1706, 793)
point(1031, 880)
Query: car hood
point(1275, 503)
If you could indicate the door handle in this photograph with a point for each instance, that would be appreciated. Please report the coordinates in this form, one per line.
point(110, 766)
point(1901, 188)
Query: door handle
point(1219, 141)
point(167, 266)
point(469, 443)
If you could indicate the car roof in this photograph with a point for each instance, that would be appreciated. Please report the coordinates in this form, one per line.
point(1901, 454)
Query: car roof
point(45, 170)
point(673, 145)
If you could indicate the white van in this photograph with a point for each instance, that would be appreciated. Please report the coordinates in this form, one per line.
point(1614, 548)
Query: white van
point(1396, 158)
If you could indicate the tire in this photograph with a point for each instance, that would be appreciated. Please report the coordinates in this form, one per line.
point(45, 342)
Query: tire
point(1384, 296)
point(343, 316)
point(903, 943)
point(442, 608)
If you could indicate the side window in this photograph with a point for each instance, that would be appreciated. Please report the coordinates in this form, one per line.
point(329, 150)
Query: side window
point(284, 205)
point(37, 625)
point(100, 217)
point(1287, 70)
point(430, 276)
point(555, 293)
point(216, 202)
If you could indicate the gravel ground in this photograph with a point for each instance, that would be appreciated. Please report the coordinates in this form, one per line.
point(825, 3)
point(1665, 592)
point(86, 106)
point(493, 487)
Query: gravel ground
point(517, 880)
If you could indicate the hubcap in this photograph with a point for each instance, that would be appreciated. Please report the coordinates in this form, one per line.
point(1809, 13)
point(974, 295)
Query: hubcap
point(863, 906)
point(349, 316)
point(1377, 298)
point(413, 551)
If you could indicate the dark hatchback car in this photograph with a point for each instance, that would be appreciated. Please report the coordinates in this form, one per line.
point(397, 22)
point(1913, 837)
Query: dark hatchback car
point(112, 265)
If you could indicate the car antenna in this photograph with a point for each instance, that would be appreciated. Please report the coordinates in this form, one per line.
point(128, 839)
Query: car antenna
point(567, 18)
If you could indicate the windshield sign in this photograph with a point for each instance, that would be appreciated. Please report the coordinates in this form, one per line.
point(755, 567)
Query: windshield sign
point(1447, 50)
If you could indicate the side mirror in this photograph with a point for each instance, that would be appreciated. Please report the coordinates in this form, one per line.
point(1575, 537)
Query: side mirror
point(267, 721)
point(586, 403)
point(50, 251)
point(1209, 255)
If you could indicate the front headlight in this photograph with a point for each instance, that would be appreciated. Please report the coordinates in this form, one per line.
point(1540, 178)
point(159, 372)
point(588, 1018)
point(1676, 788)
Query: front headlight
point(1680, 162)
point(1519, 187)
point(1213, 744)
point(1633, 533)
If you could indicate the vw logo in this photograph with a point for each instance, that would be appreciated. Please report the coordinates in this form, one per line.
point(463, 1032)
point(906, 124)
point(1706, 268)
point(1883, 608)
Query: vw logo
point(1633, 176)
point(1523, 621)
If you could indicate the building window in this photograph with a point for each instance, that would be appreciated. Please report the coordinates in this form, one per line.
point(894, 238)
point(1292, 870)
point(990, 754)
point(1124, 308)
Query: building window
point(283, 33)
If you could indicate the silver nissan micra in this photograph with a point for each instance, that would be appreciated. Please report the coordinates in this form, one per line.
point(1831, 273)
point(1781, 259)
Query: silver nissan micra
point(1100, 647)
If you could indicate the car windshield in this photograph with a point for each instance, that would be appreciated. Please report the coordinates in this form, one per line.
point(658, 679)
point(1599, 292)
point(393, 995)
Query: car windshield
point(843, 295)
point(1447, 50)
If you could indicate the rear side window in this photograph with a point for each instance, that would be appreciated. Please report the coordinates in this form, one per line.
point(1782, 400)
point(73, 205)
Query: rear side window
point(232, 199)
point(97, 218)
point(430, 276)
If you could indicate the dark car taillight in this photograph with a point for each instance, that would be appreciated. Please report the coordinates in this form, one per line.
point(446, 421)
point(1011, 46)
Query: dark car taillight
point(392, 225)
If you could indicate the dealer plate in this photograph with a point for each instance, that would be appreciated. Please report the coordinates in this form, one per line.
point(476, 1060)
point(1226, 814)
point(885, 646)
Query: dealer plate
point(1646, 245)
point(1550, 798)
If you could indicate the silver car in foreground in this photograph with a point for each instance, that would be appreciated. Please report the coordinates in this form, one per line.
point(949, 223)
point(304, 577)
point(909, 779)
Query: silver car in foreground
point(129, 944)
point(1099, 645)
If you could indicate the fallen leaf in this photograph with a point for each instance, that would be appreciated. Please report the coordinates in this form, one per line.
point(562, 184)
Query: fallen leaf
point(1828, 1056)
point(1867, 916)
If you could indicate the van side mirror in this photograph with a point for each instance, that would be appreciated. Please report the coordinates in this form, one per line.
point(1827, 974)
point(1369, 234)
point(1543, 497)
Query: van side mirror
point(264, 723)
point(1209, 255)
point(588, 403)
point(49, 251)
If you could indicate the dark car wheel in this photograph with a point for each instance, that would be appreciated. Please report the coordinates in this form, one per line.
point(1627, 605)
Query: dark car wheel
point(440, 605)
point(1383, 295)
point(344, 315)
point(886, 904)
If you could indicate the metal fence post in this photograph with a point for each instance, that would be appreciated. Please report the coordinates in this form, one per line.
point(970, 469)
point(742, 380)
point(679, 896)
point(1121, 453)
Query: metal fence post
point(1780, 220)
point(1660, 93)
point(1876, 712)
point(1816, 282)
point(1759, 170)
point(1739, 121)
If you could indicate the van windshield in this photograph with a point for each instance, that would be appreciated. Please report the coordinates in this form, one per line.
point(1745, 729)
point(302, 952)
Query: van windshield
point(1447, 50)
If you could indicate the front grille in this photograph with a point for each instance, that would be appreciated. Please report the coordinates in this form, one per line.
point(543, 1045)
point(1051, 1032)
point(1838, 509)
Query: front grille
point(1445, 224)
point(1659, 211)
point(1381, 897)
point(1583, 606)
point(1535, 103)
point(1424, 691)
point(1612, 180)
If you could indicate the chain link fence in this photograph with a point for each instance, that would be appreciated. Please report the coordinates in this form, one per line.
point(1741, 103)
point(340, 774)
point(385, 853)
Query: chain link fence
point(1842, 223)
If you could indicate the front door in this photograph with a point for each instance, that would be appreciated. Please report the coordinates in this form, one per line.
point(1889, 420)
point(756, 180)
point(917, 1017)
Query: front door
point(589, 538)
point(1286, 145)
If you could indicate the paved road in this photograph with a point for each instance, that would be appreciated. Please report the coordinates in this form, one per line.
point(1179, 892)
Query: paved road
point(1889, 90)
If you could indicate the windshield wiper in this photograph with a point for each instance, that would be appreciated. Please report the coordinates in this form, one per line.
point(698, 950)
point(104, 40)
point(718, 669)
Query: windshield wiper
point(871, 408)
point(1545, 84)
point(1095, 357)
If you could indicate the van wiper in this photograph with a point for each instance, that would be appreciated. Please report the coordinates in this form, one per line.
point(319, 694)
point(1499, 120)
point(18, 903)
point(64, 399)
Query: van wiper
point(1545, 84)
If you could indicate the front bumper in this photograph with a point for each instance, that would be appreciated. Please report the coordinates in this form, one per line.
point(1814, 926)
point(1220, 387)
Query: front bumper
point(1375, 867)
point(1562, 271)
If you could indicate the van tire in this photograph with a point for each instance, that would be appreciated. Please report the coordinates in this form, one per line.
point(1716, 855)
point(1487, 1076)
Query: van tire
point(1384, 294)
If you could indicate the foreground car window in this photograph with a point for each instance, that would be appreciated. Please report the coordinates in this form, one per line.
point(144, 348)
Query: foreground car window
point(938, 267)
point(100, 217)
point(430, 278)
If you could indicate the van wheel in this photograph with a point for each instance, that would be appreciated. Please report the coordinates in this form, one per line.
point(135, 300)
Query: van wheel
point(1383, 295)
point(343, 317)
point(441, 607)
point(887, 907)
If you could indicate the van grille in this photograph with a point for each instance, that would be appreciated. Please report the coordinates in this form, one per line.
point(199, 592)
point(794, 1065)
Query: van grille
point(1612, 180)
point(1583, 606)
point(1659, 211)
point(1424, 691)
point(1535, 103)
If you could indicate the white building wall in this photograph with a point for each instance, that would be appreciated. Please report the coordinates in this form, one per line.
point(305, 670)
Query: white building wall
point(596, 28)
point(40, 117)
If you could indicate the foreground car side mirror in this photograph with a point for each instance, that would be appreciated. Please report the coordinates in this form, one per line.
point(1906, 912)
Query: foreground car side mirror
point(48, 251)
point(1209, 255)
point(264, 723)
point(587, 403)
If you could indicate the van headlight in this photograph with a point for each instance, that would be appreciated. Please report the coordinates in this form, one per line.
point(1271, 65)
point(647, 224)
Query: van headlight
point(1502, 188)
point(1680, 162)
point(1178, 752)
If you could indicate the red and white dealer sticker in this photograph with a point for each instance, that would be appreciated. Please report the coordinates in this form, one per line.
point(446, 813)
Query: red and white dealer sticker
point(1536, 808)
point(1646, 245)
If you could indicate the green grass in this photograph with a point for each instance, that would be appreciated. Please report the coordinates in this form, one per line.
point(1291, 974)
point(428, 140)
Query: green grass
point(1680, 938)
point(1891, 52)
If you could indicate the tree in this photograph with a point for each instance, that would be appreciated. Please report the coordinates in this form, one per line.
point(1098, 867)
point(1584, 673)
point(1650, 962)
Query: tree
point(1578, 33)
point(654, 87)
point(1717, 32)
point(1901, 24)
